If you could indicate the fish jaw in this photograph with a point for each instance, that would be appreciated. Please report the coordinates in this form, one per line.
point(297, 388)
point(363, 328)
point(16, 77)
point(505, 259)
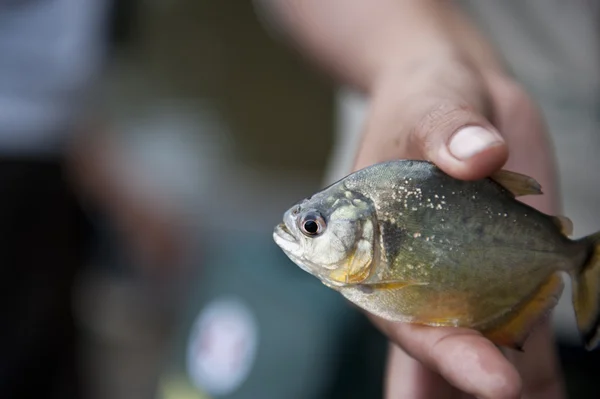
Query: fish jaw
point(283, 235)
point(284, 238)
point(286, 235)
point(290, 245)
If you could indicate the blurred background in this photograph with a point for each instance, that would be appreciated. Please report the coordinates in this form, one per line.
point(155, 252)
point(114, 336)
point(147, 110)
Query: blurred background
point(212, 129)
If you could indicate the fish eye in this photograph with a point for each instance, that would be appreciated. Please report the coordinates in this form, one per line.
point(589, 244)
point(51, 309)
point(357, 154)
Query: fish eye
point(312, 224)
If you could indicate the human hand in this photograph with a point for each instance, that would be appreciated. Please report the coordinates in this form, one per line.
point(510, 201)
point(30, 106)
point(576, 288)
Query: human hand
point(467, 121)
point(429, 73)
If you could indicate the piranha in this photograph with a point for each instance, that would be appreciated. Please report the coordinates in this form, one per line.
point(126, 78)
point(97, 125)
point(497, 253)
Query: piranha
point(408, 243)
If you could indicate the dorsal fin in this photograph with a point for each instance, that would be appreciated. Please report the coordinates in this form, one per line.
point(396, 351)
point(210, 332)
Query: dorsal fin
point(517, 183)
point(564, 224)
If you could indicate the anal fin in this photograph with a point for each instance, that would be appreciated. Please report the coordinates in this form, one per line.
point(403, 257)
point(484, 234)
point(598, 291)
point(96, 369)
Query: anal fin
point(514, 331)
point(517, 183)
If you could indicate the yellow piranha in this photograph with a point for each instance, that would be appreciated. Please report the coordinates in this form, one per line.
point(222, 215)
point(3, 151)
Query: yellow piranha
point(408, 243)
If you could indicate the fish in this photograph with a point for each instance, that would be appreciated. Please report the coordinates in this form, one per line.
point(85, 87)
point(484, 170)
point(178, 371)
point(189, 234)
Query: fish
point(408, 243)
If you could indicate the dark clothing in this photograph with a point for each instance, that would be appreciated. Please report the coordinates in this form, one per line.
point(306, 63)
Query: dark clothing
point(42, 233)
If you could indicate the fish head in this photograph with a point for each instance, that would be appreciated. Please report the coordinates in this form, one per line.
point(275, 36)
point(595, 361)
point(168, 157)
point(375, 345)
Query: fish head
point(331, 235)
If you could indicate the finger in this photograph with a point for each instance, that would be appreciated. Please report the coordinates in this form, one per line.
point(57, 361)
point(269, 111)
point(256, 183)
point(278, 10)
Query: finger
point(408, 378)
point(446, 127)
point(538, 365)
point(463, 357)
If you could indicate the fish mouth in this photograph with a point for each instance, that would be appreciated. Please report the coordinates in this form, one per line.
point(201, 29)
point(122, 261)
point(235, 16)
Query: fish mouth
point(287, 242)
point(290, 245)
point(283, 233)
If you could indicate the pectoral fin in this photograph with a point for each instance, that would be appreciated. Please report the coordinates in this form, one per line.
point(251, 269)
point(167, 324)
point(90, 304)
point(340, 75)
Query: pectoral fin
point(387, 285)
point(514, 331)
point(517, 183)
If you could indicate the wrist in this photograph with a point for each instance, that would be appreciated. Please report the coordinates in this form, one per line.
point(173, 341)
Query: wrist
point(436, 38)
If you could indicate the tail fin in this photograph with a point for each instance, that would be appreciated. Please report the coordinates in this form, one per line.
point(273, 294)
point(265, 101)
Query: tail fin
point(586, 294)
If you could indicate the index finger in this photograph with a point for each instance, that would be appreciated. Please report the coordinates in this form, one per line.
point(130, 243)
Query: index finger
point(463, 357)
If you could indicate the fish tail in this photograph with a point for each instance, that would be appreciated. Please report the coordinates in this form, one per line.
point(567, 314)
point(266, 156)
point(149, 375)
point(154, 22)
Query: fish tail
point(586, 293)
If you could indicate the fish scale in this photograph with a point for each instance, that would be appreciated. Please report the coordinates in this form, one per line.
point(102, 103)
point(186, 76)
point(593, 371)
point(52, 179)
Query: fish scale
point(405, 241)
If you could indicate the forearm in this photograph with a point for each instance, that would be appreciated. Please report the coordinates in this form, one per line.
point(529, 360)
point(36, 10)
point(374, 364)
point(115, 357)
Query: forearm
point(359, 40)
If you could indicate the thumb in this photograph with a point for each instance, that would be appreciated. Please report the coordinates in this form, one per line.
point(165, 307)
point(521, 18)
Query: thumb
point(458, 138)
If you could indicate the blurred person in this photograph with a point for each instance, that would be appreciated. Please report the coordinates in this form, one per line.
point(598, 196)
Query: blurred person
point(51, 52)
point(53, 155)
point(422, 80)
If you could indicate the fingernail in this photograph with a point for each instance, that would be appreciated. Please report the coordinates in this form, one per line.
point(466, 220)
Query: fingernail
point(472, 140)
